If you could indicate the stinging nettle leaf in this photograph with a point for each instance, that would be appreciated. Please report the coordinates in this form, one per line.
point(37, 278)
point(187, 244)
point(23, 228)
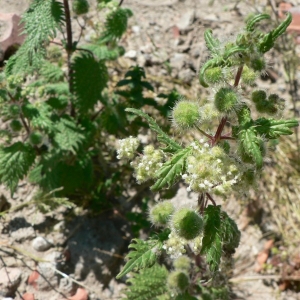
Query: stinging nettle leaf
point(172, 169)
point(15, 162)
point(212, 43)
point(143, 256)
point(211, 242)
point(89, 79)
point(250, 144)
point(273, 129)
point(252, 22)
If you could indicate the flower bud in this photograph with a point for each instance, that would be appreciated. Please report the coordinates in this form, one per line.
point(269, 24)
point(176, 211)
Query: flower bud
point(225, 99)
point(80, 7)
point(187, 223)
point(258, 96)
point(178, 281)
point(15, 125)
point(258, 64)
point(185, 114)
point(214, 75)
point(249, 76)
point(161, 213)
point(182, 263)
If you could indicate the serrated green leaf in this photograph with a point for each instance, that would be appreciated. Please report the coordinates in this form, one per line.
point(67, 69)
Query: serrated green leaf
point(161, 136)
point(89, 79)
point(143, 256)
point(69, 136)
point(150, 283)
point(211, 242)
point(51, 72)
point(273, 129)
point(42, 20)
point(250, 145)
point(269, 39)
point(212, 43)
point(115, 24)
point(230, 234)
point(15, 162)
point(171, 169)
point(257, 18)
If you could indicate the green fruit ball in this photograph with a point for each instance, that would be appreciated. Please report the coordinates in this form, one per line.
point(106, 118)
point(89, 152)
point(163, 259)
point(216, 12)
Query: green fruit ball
point(187, 223)
point(15, 125)
point(186, 114)
point(36, 138)
point(80, 7)
point(178, 280)
point(225, 99)
point(161, 212)
point(258, 96)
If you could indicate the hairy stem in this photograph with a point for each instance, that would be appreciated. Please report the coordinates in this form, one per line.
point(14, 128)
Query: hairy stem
point(218, 136)
point(204, 133)
point(211, 199)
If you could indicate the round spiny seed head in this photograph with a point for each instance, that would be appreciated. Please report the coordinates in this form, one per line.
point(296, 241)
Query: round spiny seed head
point(258, 96)
point(262, 106)
point(249, 76)
point(187, 223)
point(226, 99)
point(214, 75)
point(185, 114)
point(178, 281)
point(182, 263)
point(161, 213)
point(80, 7)
point(36, 138)
point(15, 125)
point(258, 64)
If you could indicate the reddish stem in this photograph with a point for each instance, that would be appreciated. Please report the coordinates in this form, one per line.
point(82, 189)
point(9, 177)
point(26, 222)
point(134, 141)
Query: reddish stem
point(211, 199)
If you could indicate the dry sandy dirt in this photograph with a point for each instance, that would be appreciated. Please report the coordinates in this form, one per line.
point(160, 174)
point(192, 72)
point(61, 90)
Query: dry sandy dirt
point(166, 37)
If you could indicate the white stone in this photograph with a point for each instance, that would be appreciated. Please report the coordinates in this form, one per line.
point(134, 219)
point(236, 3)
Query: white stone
point(41, 244)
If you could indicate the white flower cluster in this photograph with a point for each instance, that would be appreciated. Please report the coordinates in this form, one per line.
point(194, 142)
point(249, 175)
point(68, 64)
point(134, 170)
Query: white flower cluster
point(127, 148)
point(174, 246)
point(211, 170)
point(147, 164)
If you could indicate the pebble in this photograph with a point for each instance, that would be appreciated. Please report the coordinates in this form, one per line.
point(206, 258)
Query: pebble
point(41, 244)
point(186, 20)
point(132, 54)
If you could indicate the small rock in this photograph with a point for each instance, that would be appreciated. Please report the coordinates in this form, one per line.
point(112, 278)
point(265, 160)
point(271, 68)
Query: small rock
point(59, 226)
point(178, 60)
point(186, 75)
point(28, 296)
point(136, 29)
point(132, 54)
point(41, 244)
point(10, 278)
point(23, 234)
point(159, 57)
point(10, 37)
point(186, 20)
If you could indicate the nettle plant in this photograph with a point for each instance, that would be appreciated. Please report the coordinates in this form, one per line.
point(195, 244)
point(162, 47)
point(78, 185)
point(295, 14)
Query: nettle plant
point(59, 110)
point(211, 165)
